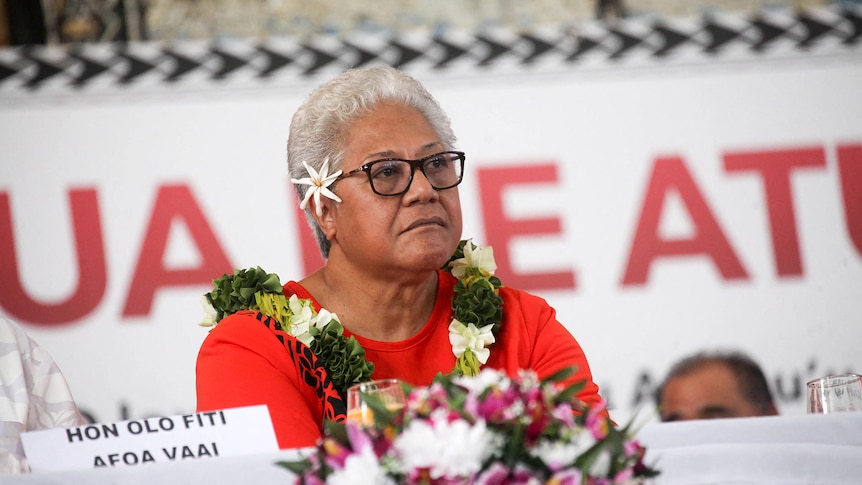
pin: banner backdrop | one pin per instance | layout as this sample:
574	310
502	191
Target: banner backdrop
668	186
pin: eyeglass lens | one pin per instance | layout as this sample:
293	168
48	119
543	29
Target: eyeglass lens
392	177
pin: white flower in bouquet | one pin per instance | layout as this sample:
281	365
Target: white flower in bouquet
557	455
487	379
361	468
602	466
446	449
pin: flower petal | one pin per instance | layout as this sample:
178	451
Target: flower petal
318	183
330	194
304	203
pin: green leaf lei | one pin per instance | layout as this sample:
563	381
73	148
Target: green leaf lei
476	305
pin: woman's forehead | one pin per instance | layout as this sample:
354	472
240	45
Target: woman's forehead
391	131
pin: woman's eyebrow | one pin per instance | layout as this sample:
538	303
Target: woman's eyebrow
391	154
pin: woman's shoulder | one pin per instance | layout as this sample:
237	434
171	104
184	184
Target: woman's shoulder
252	333
246	325
526	311
513	296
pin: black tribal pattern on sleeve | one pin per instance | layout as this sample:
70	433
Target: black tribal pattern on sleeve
311	372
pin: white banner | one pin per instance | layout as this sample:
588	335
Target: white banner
663	204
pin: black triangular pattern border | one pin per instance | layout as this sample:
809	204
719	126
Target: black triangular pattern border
29	70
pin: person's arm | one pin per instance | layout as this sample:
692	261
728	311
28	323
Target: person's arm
242	362
557	349
33	392
51	401
551	346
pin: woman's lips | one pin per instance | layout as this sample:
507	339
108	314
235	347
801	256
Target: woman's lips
427	221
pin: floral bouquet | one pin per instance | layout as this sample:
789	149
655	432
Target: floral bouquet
485	429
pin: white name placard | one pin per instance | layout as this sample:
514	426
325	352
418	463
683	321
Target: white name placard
212	434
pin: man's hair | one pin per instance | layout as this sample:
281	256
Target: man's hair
749	377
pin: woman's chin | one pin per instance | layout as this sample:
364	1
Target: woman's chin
428	259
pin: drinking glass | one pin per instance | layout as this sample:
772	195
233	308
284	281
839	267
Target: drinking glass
835	394
388	391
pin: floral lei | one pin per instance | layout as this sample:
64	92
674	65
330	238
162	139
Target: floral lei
476	305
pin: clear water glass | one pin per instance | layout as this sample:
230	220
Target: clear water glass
835	394
389	391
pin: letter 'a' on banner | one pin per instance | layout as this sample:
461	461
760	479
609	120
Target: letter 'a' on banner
187	437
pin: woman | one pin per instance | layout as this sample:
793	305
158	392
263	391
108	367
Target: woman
371	156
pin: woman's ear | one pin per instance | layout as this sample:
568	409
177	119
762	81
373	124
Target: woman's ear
327	220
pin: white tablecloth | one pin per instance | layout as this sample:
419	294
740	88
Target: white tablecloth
810	450
805	449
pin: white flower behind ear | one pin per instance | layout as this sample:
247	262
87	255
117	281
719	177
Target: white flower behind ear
318	183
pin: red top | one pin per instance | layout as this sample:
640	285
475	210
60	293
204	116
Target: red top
247	359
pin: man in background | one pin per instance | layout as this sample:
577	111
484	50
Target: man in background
714	385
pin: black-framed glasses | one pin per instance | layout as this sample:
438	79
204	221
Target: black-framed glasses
393	176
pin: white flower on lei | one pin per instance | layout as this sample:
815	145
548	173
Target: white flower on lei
211	314
318	183
487	379
463	337
447	449
481	258
303	318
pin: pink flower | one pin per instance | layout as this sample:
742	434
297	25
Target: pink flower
624	476
496	474
336	453
596	422
570	476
